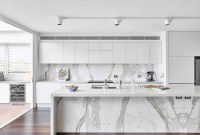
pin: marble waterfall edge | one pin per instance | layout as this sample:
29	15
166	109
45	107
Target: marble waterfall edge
127	114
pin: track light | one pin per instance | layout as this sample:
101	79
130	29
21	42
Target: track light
167	21
118	21
59	20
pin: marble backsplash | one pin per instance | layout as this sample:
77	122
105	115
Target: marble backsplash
85	72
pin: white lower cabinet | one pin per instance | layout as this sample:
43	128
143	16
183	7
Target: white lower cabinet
44	91
5	93
181	69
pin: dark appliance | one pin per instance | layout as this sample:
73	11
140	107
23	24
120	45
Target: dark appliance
150	76
17	93
197	70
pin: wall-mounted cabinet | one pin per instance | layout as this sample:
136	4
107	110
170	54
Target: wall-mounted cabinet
82	55
119	53
51	53
132	53
69	55
101	53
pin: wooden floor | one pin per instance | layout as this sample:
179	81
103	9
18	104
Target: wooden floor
9	112
34	122
37	122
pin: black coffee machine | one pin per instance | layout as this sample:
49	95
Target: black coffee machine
150	76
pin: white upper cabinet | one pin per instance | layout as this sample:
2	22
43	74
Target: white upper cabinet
106	46
44	53
119	53
51	53
94	46
175	41
197	43
82	53
155	53
131	53
143	53
106	57
95	57
100	53
69	53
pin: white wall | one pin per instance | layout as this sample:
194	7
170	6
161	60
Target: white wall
15	37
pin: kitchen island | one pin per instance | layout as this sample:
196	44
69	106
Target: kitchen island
126	110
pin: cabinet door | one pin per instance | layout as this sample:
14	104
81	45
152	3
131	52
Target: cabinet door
175	41
106	46
44	53
94	46
131	53
81	52
5	93
51	53
155	53
106	57
197	43
95	57
143	53
188	44
119	53
69	53
56	52
181	69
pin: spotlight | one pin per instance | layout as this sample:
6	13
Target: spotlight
59	20
118	21
167	21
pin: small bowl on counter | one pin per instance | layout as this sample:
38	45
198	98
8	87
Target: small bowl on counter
72	87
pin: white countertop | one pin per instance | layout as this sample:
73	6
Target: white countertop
128	91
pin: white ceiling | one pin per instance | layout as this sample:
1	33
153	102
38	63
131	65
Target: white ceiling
40	15
4	27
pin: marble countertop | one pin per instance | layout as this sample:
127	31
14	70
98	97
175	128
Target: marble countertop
128	91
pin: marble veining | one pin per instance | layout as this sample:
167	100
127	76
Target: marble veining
128	114
85	72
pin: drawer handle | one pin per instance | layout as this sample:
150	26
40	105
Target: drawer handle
179	97
187	97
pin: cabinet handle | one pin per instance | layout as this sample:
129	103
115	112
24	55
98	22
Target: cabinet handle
188	97
179	97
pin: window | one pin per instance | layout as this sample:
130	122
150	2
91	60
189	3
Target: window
15	58
2	58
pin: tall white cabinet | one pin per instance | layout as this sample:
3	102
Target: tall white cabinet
183	46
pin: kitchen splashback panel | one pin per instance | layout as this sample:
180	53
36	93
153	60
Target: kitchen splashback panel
85	72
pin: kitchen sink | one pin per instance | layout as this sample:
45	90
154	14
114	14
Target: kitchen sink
103	86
